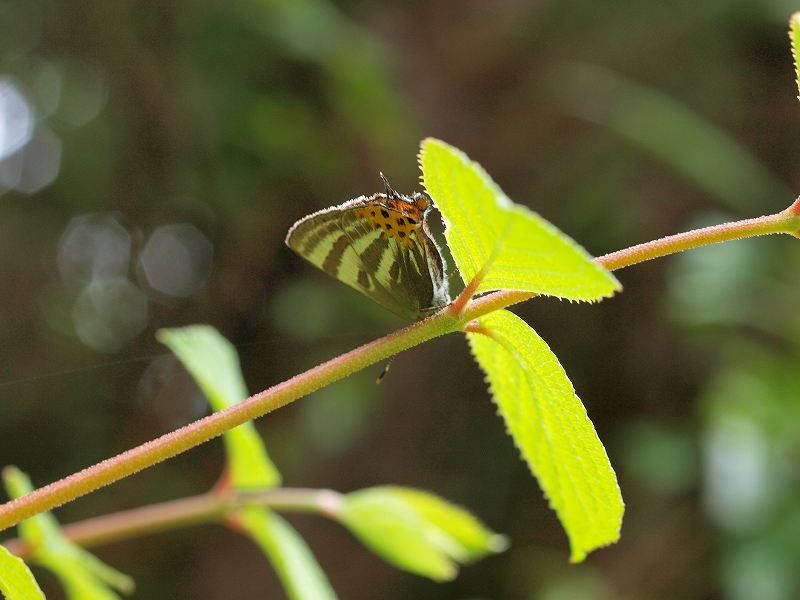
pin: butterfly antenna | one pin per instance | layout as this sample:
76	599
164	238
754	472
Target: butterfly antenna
380	377
390	192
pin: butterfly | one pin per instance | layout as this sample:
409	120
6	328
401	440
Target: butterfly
381	246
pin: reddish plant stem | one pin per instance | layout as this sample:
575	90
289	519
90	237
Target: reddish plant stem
202	430
787	221
794	209
457	306
152	452
210	507
783	222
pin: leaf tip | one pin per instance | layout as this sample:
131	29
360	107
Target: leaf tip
580	547
15	481
498	543
794	23
794	39
447	573
424	147
577	556
429	143
578	553
10	471
430	140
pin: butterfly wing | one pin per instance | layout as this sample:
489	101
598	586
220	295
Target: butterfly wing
358	252
394	271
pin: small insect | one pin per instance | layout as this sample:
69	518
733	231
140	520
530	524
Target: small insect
381	246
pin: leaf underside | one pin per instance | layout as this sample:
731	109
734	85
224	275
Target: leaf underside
550	427
417	531
301	575
515	247
16	579
213	363
83	575
794	37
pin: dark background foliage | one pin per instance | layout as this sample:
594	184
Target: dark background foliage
153	155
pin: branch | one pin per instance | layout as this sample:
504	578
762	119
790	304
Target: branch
194	434
787	221
202	430
210	507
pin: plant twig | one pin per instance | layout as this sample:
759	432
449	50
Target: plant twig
787	221
180	440
210	507
202	430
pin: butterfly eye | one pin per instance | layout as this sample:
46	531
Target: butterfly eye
421	201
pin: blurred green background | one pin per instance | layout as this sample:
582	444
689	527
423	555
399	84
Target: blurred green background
153	155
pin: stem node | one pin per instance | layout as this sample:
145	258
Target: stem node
795	207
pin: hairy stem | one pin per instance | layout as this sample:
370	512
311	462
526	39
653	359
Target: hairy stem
784	222
787	221
205	508
202	430
180	440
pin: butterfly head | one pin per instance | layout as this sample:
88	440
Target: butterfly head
419	200
422	202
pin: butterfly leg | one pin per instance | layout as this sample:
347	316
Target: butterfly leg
383	373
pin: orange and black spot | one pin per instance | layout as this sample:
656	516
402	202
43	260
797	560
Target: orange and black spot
398	224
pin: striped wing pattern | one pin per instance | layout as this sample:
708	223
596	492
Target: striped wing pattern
404	274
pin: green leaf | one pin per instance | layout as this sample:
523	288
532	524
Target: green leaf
472	539
82	574
517	248
301	575
550	427
214	364
80	582
794	37
16	579
417	531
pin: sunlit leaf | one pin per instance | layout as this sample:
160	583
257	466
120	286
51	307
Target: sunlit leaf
214	364
391	529
417	531
82	574
16	579
794	37
472	540
550	427
79	582
520	250
301	575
